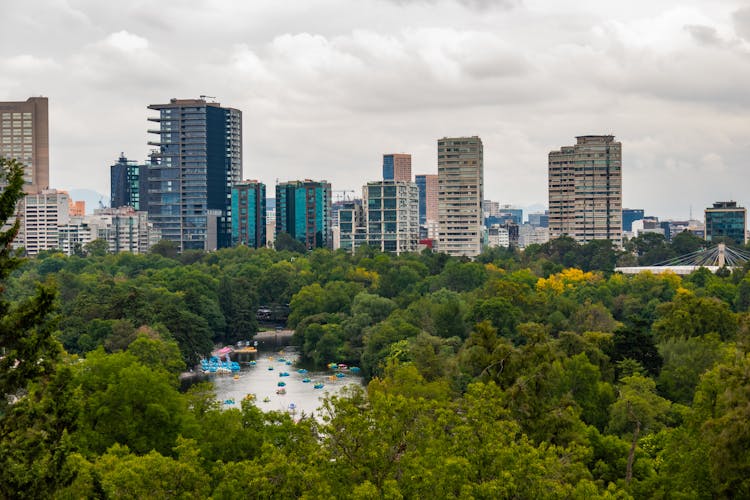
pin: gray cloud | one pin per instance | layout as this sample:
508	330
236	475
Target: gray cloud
326	89
473	4
705	35
741	18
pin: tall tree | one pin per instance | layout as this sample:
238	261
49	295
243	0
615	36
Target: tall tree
27	349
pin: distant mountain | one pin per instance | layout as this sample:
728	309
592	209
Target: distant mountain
91	197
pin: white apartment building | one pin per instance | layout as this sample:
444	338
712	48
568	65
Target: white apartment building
391	215
460	195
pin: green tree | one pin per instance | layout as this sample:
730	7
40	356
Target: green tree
166	248
96	248
26	345
285	242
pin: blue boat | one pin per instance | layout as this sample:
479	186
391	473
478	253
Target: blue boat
306	380
301	370
283	374
340	375
354	369
270	368
281	384
318	386
253	363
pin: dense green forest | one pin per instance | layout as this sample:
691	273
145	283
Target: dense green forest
539	374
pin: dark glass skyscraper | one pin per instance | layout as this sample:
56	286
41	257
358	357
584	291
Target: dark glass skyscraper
303	210
128	184
198	160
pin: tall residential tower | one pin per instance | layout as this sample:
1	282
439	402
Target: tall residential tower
585	190
24	136
460	195
197	161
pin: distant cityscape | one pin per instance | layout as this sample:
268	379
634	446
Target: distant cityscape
190	191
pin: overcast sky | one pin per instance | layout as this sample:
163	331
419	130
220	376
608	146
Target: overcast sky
327	86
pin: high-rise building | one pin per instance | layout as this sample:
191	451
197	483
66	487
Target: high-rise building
726	220
128	184
24	136
197	161
249	214
428	197
303	211
460	195
585	190
397	167
41	216
352	226
630	215
392	215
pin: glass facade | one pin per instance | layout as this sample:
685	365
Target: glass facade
630	215
303	210
128	184
726	221
198	160
249	214
387	167
392	217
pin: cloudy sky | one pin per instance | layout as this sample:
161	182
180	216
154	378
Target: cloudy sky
327	86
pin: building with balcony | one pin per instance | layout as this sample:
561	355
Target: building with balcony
460	195
392	215
585	190
196	161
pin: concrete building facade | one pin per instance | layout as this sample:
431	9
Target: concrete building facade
24	136
460	195
42	214
392	215
585	190
397	167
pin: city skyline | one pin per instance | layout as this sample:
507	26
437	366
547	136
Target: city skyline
344	89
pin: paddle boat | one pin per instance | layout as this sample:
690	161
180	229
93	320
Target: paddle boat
305	380
281	391
281	384
319	385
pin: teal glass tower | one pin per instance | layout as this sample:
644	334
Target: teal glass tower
303	210
249	214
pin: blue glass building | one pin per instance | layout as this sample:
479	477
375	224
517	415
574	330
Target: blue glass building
197	160
249	214
630	215
128	184
421	182
303	210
